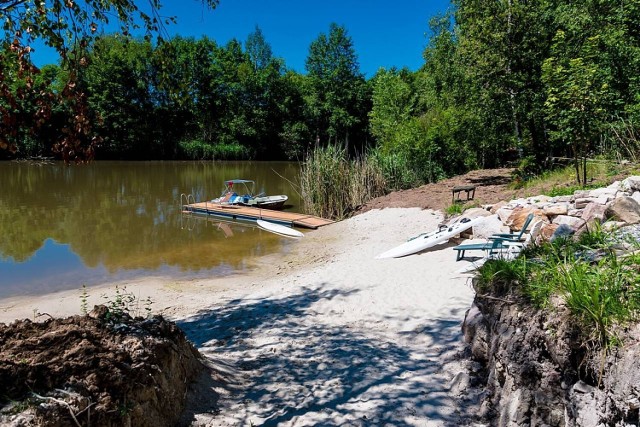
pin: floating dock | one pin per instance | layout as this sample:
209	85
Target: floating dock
248	213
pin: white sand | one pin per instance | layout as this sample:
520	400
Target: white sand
324	335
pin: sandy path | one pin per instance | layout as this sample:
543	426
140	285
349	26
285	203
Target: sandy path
324	335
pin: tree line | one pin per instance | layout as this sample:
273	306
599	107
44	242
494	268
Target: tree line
195	99
502	82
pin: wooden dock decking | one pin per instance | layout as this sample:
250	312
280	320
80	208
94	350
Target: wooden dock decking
253	214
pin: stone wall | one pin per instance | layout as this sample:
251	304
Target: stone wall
537	372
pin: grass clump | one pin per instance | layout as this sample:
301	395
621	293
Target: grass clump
333	186
601	290
454	209
561	181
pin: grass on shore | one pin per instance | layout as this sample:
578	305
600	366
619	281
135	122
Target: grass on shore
601	289
562	181
333	186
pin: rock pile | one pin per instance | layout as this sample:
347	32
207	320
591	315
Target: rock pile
614	207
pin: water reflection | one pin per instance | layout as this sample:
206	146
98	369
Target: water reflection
61	227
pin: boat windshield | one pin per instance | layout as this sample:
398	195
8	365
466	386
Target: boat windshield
246	186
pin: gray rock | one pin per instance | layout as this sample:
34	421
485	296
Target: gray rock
563	231
582	202
562	199
594	211
606	192
631	184
571	221
489	226
556	209
504	213
624	209
476	213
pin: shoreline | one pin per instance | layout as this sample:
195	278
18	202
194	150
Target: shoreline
322	334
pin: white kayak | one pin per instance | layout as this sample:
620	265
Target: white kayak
427	240
279	229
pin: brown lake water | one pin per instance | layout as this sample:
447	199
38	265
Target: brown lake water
62	227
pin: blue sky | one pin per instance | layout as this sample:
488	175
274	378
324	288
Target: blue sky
384	33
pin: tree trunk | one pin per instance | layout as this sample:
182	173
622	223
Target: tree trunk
576	162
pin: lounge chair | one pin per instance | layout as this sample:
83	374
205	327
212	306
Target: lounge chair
514	237
492	248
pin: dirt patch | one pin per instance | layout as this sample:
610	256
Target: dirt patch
94	370
492	185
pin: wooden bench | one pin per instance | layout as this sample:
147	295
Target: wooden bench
470	192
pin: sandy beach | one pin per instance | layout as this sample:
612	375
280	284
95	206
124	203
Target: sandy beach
322	335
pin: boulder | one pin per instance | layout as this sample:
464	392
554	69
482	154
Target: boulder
519	202
562	232
497	206
489	226
475	330
504	213
519	215
562	199
556	209
602	199
631	184
613	225
624	209
616	185
571	221
594	211
607	192
534	233
539	199
636	196
575	212
476	213
582	194
547	231
582	202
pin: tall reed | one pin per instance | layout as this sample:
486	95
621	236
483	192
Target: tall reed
333	186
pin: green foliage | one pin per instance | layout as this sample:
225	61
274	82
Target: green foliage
125	302
84	297
405	151
561	180
501	82
200	150
397	169
500	275
454	209
336	92
601	294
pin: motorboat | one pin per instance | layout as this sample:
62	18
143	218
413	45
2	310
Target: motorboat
246	196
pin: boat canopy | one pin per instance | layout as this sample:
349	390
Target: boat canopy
238	181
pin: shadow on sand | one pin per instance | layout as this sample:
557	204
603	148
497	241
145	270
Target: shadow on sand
282	363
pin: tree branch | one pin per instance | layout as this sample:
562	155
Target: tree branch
10	4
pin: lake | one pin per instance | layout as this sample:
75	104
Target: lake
67	226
